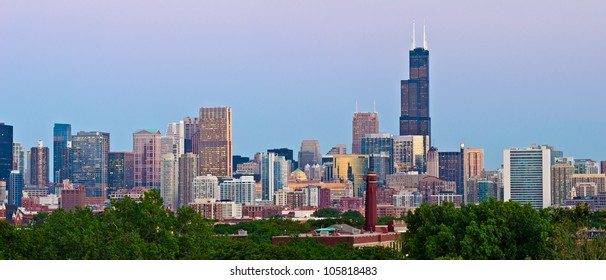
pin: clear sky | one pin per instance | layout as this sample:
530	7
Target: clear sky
502	74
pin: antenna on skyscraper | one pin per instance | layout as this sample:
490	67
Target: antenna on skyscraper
356	104
424	37
413	35
374	104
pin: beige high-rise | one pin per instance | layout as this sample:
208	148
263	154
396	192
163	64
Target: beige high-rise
473	161
363	123
215	149
148	152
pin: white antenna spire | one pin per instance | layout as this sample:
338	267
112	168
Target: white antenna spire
424	37
356	104
413	35
374	104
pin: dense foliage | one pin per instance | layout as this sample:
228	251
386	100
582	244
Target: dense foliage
131	230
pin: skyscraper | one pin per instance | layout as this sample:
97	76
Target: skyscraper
169	181
309	153
191	127
561	182
39	164
206	187
121	170
6	151
363	123
147	148
527	175
15	188
216	142
188	171
379	146
414	119
175	132
410	153
352	168
62	135
452	168
89	162
18	157
433	162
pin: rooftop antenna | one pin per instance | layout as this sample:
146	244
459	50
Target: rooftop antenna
424	37
413	35
374	104
356	104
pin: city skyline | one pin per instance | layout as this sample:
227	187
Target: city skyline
478	88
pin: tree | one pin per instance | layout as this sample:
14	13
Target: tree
327	213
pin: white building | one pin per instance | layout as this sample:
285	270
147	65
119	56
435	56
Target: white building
311	196
206	187
238	190
169	181
527	175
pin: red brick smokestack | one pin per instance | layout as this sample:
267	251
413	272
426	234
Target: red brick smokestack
371	201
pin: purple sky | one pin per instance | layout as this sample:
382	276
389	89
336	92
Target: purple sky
502	74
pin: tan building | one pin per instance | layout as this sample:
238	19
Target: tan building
473	162
598	179
363	123
215	149
351	168
147	148
561	182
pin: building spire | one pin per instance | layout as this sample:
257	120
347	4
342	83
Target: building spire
356	104
413	35
374	104
424	37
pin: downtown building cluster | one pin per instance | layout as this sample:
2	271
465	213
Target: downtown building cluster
192	164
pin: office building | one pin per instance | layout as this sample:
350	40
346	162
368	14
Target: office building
561	182
527	175
89	162
39	164
15	188
62	137
191	130
410	153
120	170
363	123
18	157
415	118
311	196
6	151
451	168
148	152
309	153
274	175
169	181
352	168
380	146
215	148
175	139
473	161
284	152
433	162
339	149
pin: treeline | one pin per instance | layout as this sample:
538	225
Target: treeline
502	231
130	230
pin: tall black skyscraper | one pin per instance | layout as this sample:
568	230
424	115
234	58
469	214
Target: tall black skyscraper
415	119
62	134
6	151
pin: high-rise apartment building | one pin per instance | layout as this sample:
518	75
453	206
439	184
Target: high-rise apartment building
215	149
18	157
363	123
238	190
169	181
175	134
586	166
62	137
188	171
415	118
15	188
410	153
39	164
473	161
527	175
309	153
561	182
191	128
274	175
6	151
121	170
206	187
379	144
89	162
148	152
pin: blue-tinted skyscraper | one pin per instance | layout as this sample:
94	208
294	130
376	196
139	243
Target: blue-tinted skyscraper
62	135
89	155
15	188
6	151
380	147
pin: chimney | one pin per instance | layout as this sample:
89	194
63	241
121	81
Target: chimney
371	201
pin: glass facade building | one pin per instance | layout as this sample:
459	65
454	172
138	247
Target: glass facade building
62	136
89	162
6	151
121	170
527	176
414	118
352	168
15	188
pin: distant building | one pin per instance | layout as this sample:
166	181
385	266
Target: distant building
216	141
284	152
310	153
440	198
121	170
410	153
363	123
238	190
339	149
561	182
206	187
380	147
15	188
598	179
39	165
452	168
175	132
415	118
169	181
274	175
72	197
62	137
311	196
325	198
89	156
6	151
586	166
188	171
191	128
527	175
352	168
433	162
148	152
237	159
18	157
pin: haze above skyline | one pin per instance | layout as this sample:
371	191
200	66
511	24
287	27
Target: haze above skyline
501	74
